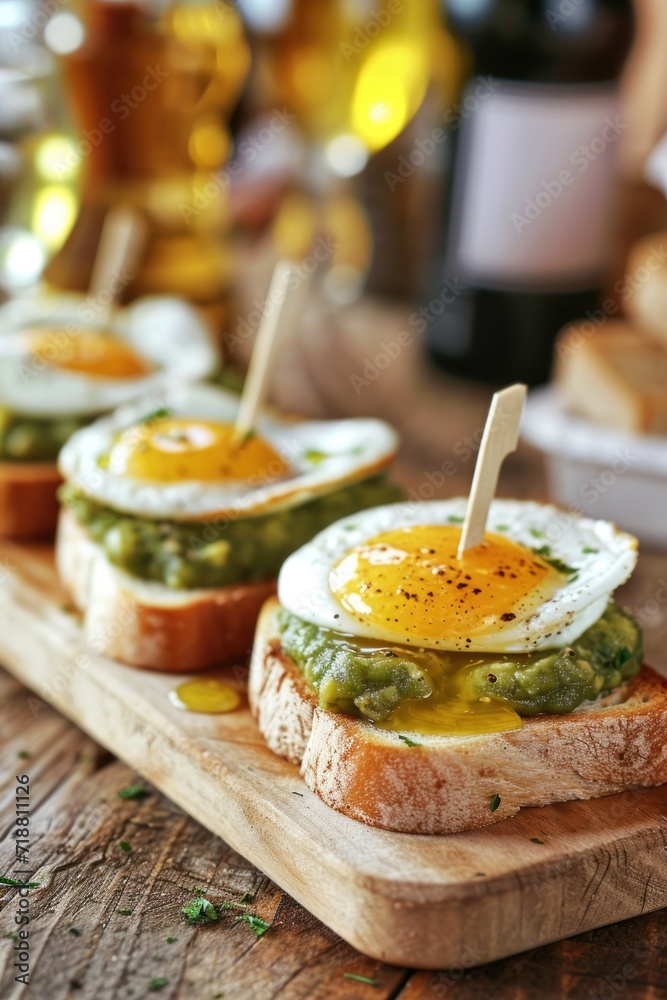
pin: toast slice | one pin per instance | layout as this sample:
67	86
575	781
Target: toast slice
148	625
616	376
28	502
447	783
645	301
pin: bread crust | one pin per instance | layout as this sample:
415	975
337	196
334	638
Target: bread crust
28	502
148	625
446	784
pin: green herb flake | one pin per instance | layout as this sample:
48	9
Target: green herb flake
247	897
561	567
74	931
587	550
125	913
536	533
156	984
314	456
502	527
360	979
170	940
138	791
161	413
200	911
408	742
125	846
256	924
23	754
455	519
536	840
20	885
494	802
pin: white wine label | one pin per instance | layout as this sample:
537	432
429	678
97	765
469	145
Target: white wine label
533	187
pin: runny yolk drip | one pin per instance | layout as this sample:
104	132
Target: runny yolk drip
171	449
91	352
208	696
410	585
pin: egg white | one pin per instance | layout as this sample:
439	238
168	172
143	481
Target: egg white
345	450
167	332
303	583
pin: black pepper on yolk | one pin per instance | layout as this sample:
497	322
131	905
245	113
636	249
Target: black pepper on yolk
410	584
91	352
171	449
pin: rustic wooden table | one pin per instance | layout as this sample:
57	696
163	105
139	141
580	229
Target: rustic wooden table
107	923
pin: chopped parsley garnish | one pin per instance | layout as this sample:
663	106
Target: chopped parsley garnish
125	846
23	754
314	456
360	979
21	885
156	984
455	519
408	741
258	925
536	533
247	897
170	940
494	802
124	913
554	561
138	791
502	527
200	911
161	413
587	550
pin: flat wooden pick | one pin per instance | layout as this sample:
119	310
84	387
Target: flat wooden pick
256	383
501	435
121	242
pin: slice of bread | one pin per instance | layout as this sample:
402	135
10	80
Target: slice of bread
615	376
146	624
447	783
646	285
28	502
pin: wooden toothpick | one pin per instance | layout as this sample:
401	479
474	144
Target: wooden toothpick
256	383
121	242
501	435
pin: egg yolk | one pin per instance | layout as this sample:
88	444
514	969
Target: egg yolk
410	583
91	352
170	449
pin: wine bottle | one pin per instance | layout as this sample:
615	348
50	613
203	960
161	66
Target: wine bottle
530	182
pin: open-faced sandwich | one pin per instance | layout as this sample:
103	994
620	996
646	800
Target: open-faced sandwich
173	531
58	373
428	693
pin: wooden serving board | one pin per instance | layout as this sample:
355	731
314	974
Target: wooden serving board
425	902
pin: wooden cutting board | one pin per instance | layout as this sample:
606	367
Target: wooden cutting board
425	902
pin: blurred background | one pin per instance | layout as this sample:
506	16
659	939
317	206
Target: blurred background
457	181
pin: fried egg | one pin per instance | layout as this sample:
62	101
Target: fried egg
392	574
55	362
175	456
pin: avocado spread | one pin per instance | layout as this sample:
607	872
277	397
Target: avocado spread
218	553
35	439
368	679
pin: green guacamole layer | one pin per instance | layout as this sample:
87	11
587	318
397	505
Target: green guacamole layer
35	439
218	553
366	679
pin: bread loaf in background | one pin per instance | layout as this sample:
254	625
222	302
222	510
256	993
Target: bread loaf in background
616	376
646	276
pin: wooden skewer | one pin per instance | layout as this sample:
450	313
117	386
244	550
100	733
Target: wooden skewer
501	435
121	242
257	379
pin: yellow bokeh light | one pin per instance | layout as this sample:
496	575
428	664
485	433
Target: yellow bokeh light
389	90
56	159
209	145
53	214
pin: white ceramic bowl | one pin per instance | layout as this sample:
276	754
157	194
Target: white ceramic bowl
599	471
